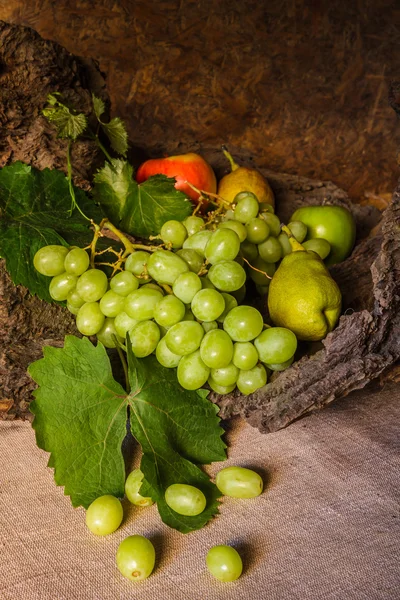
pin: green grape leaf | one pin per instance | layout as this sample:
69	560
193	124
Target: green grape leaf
115	129
69	123
81	417
98	106
35	211
117	135
177	430
143	209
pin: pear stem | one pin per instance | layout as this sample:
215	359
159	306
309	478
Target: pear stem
296	246
234	165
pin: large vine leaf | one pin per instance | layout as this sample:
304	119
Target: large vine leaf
143	209
81	417
35	211
177	430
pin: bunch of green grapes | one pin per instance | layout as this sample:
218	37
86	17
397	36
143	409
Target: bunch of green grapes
184	304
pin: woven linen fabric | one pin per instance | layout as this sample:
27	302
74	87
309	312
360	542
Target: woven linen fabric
326	526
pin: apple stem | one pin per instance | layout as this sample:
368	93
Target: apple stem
296	246
234	165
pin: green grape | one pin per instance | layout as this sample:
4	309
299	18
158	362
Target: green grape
248	250
136	262
124	323
207	305
193	259
273	223
262	290
220	389
206	283
152	286
224	244
298	229
245	355
270	250
90	319
111	304
186	286
185	499
279	366
74	299
238	482
174	233
192	372
132	487
107	333
227	276
225	376
257	231
216	349
124	283
243	323
92	285
184	337
141	303
104	515
72	309
165	357
227	215
285	244
144	338
189	316
237	227
77	261
267	268
209	325
169	310
276	345
198	241
240	294
136	557
165	266
224	563
251	380
49	260
193	224
319	245
61	285
230	302
247	207
265	207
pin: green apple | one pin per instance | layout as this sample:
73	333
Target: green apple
335	224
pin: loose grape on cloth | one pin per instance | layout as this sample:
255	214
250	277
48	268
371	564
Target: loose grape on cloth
326	526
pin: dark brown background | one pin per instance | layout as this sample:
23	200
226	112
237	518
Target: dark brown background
302	86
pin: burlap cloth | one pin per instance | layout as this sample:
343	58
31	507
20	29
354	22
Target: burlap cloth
327	525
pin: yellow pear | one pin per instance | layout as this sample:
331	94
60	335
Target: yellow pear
244	179
302	294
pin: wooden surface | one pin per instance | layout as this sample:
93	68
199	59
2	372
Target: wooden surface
301	86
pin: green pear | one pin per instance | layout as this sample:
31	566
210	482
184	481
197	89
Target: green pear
303	297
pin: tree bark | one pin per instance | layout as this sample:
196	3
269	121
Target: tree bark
363	345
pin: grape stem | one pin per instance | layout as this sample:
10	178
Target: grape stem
255	269
70	183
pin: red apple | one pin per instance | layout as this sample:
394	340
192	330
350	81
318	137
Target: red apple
184	167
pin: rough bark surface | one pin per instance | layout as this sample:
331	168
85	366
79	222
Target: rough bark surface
362	346
30	69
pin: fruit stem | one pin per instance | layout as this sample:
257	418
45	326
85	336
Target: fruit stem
255	268
296	246
234	165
